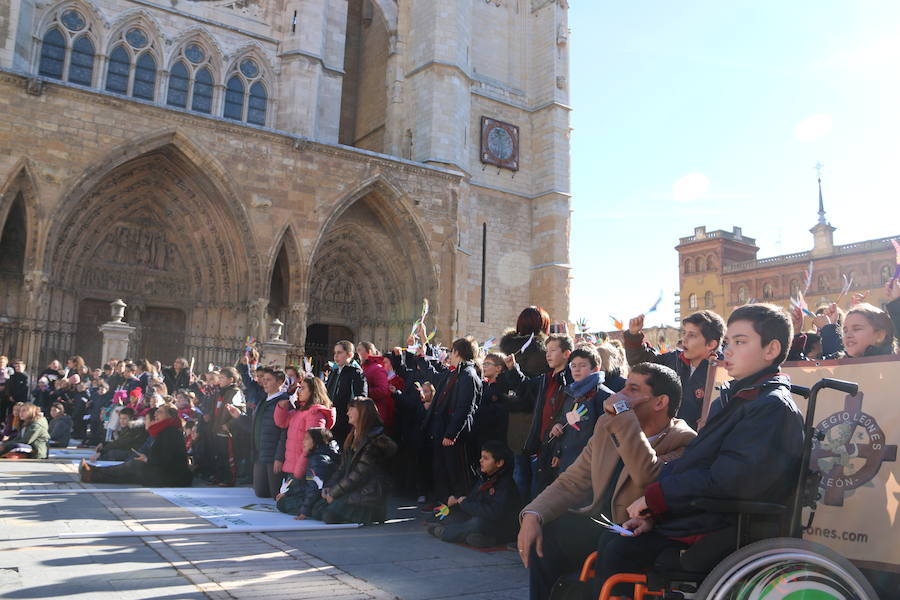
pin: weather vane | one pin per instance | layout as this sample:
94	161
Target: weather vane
818	168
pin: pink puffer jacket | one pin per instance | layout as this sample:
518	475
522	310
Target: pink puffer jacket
297	422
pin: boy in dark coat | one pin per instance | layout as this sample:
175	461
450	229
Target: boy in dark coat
448	422
268	438
345	382
749	449
488	515
17	386
700	339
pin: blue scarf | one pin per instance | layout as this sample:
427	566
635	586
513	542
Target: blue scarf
578	389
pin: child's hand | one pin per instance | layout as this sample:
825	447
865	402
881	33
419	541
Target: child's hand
556	431
636	324
892	290
279	497
797	319
638	525
300	518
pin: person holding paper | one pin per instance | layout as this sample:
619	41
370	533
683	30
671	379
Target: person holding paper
750	449
632	440
545	393
33	435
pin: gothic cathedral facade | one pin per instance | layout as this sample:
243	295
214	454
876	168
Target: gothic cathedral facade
223	164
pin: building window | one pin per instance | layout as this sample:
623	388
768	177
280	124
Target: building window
201	99
710	263
701	263
823	283
768	292
692	301
742	294
191	82
886	274
179	85
241	105
132	67
708	301
67	51
688	266
53	54
795	288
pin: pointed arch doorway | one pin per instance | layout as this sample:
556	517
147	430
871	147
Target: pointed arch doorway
369	272
156	232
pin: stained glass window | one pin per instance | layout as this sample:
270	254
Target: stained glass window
53	54
117	73
81	65
234	99
145	77
178	85
203	91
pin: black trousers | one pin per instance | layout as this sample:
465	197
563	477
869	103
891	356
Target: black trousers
632	555
567	543
452	476
131	471
266	482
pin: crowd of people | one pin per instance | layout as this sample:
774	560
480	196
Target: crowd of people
543	441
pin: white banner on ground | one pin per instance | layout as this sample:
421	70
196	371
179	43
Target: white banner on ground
233	507
71	452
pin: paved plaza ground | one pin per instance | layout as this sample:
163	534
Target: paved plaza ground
389	561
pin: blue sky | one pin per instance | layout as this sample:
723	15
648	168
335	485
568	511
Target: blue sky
715	113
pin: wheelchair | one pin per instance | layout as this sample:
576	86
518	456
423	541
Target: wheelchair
738	563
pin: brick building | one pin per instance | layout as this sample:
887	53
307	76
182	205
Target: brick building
219	164
720	270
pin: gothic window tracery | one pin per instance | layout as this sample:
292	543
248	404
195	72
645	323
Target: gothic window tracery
246	97
132	66
67	49
191	80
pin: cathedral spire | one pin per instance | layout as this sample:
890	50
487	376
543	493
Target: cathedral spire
821	202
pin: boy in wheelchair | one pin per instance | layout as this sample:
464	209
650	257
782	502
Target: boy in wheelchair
749	450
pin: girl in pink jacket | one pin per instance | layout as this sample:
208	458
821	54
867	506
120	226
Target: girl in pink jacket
312	409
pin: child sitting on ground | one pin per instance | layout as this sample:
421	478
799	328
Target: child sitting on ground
489	514
60	426
321	458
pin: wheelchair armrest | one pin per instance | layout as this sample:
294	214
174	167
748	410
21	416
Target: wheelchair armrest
721	505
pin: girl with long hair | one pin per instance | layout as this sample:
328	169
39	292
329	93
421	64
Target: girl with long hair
357	492
312	408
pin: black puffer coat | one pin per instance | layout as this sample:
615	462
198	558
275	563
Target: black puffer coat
362	473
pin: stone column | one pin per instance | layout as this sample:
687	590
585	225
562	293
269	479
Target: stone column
116	334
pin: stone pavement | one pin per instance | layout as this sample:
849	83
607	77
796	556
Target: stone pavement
380	562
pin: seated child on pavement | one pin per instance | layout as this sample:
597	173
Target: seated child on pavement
489	514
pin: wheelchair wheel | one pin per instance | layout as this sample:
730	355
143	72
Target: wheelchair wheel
786	569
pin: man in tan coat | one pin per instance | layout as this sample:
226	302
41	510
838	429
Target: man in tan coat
632	440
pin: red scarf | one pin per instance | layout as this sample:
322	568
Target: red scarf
160	426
